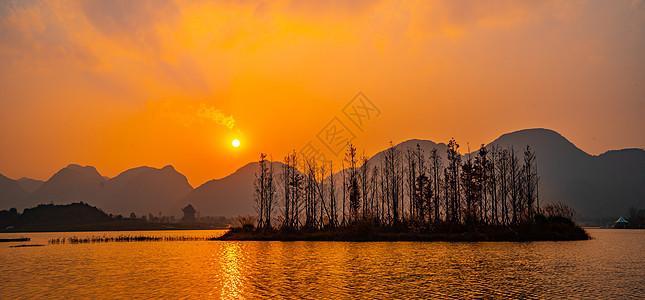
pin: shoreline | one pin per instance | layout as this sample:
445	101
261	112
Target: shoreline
358	233
85	229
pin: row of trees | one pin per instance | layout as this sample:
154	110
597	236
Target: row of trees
494	186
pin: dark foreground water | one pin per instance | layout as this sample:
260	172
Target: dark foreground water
612	265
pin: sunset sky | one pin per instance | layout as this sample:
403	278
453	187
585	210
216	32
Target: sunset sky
120	84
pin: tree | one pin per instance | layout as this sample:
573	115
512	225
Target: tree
311	186
436	166
189	214
492	186
422	196
514	183
333	219
353	189
469	182
502	166
264	192
364	180
286	184
530	181
483	166
393	181
452	181
321	194
296	184
411	179
374	195
421	170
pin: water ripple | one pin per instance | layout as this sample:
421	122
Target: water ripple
609	266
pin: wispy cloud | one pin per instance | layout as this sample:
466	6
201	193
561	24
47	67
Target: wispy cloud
210	113
200	114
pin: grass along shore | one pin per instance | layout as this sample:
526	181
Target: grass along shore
547	230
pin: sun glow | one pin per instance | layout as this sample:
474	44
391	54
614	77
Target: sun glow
236	143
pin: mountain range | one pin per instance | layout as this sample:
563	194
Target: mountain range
595	186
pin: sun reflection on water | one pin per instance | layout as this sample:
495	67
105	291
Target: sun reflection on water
232	286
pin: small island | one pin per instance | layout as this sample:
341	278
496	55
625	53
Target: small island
492	196
553	228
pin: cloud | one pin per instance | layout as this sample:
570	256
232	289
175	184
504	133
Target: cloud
132	22
190	115
210	113
49	34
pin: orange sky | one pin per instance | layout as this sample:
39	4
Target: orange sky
120	84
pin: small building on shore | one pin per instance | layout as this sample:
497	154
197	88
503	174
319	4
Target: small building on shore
621	223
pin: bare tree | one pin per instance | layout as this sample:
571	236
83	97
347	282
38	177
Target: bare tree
530	181
364	184
411	179
264	192
492	184
454	188
353	188
503	167
436	166
286	182
333	219
514	182
344	191
296	191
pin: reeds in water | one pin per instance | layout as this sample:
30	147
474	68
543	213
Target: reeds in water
125	238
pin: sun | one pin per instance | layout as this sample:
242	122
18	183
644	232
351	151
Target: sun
236	143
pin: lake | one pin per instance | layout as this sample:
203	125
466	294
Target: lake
611	265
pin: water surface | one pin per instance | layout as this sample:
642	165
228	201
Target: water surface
611	265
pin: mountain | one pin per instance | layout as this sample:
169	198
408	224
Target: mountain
29	185
145	190
426	145
605	185
141	190
595	186
228	196
11	193
73	183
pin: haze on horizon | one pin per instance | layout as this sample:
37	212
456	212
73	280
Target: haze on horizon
120	84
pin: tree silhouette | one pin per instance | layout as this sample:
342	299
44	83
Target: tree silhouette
264	192
189	214
489	187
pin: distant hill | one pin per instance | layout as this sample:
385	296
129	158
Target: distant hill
73	183
141	190
596	186
425	145
229	196
145	190
30	185
11	193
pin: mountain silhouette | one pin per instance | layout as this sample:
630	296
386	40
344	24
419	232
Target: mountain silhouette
29	185
73	183
596	186
141	190
145	190
605	185
11	193
228	196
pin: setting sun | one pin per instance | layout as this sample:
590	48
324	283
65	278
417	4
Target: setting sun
392	149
